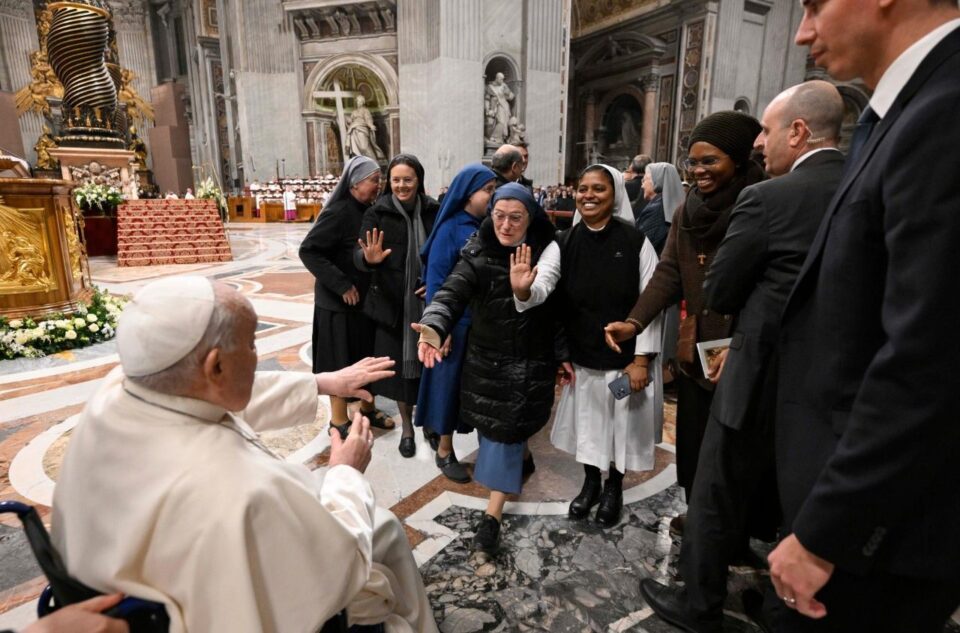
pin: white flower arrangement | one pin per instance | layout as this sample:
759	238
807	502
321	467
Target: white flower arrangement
93	196
208	190
91	323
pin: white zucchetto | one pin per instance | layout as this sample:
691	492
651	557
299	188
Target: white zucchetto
163	323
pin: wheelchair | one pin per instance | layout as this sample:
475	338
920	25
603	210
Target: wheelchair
143	616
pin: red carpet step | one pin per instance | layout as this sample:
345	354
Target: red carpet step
156	232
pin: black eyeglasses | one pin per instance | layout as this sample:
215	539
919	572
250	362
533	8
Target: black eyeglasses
707	161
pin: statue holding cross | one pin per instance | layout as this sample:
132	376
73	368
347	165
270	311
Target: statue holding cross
358	132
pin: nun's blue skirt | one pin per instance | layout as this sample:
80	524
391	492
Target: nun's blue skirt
438	403
500	466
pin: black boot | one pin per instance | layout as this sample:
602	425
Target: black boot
589	494
611	501
487	537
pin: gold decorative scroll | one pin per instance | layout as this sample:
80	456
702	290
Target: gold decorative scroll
53	6
24	252
74	248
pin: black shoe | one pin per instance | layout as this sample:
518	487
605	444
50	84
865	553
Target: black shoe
670	605
453	469
589	496
528	466
487	538
611	503
408	446
432	438
342	429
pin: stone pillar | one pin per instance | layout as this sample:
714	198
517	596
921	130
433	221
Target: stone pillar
18	38
650	84
589	116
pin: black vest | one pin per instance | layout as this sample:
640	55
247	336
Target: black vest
599	283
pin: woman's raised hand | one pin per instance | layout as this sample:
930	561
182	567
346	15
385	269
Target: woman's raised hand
373	251
522	275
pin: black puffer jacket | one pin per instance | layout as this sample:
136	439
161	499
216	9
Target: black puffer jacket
507	383
384	302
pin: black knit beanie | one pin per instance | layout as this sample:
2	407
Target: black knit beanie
733	132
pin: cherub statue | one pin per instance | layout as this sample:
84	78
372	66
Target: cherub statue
139	148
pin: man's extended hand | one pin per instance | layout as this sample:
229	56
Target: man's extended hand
797	575
355	450
618	332
349	381
82	617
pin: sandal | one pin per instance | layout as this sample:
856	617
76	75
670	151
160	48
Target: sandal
379	419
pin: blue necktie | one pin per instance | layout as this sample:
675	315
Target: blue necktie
865	124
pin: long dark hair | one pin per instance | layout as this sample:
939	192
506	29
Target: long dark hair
410	161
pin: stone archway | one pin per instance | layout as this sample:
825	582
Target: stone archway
349	76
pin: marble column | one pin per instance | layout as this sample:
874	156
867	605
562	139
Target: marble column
650	84
18	38
589	125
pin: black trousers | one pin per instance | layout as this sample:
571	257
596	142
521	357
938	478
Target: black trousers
878	603
693	410
734	497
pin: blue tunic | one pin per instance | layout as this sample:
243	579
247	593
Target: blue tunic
438	404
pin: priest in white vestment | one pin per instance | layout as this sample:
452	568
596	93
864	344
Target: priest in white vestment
166	495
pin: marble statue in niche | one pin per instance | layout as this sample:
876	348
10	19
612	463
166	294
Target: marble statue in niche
497	110
362	133
518	132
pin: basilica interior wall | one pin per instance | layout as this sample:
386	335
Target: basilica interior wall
18	38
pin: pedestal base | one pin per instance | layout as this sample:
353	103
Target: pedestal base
85	164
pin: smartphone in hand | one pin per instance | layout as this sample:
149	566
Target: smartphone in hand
620	387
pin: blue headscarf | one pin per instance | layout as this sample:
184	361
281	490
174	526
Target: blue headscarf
465	184
516	191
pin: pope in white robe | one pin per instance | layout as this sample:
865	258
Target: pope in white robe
174	499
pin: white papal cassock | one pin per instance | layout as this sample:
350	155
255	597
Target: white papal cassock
175	500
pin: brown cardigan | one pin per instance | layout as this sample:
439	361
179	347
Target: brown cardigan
679	275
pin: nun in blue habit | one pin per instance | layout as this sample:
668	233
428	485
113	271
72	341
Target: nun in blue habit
438	403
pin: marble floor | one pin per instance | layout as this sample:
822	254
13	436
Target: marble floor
551	574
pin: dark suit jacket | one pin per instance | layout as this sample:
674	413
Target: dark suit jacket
771	230
868	435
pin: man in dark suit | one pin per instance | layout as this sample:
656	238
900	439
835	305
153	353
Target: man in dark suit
507	164
771	229
867	429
